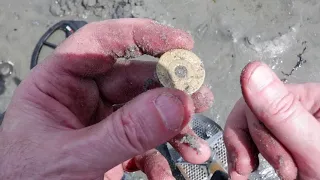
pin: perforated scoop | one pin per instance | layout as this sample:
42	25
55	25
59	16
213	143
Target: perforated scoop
210	131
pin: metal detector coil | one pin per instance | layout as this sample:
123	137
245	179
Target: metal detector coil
68	27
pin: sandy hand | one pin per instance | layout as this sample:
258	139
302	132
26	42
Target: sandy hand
279	121
62	122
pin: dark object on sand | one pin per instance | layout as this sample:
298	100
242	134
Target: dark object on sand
69	27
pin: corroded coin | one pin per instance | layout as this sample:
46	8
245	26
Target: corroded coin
181	69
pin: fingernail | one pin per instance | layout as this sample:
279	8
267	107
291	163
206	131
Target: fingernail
171	111
261	77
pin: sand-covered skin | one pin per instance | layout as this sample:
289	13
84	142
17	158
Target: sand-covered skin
190	141
227	34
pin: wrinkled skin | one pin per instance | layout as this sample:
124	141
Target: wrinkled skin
282	122
81	114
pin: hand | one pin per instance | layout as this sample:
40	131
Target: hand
64	121
280	121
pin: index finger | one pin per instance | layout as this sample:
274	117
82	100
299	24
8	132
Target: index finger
69	75
242	152
94	48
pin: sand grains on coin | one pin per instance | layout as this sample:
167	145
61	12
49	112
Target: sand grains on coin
181	69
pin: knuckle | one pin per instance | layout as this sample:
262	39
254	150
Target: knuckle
90	26
134	133
92	30
283	109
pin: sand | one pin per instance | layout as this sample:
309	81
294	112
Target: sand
190	141
228	34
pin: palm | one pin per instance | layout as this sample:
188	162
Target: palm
80	85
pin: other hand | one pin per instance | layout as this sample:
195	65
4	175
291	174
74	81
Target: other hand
279	121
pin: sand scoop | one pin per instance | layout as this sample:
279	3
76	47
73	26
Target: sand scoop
210	131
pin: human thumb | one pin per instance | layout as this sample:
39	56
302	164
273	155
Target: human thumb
142	124
281	112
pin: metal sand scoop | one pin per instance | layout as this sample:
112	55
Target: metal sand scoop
210	131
